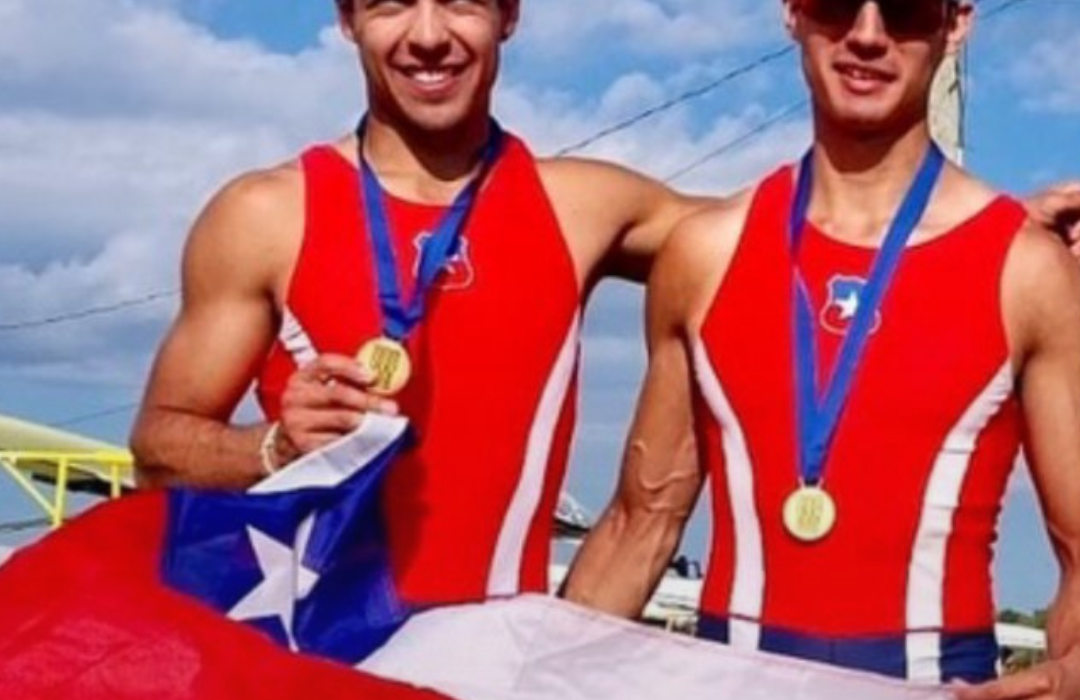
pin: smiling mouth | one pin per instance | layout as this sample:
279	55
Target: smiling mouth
863	74
432	77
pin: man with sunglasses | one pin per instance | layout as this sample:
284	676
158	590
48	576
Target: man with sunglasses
854	350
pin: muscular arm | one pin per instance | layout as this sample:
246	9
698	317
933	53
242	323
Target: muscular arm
1042	308
225	326
236	268
627	553
1051	396
615	220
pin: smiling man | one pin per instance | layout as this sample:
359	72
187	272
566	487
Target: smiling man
455	264
857	347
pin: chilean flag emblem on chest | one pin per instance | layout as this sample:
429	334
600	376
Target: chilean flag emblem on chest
458	272
844	295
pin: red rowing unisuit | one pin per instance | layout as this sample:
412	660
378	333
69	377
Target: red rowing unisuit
918	468
493	393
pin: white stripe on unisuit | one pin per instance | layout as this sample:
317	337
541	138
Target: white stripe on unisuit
504	577
926	576
295	339
748	590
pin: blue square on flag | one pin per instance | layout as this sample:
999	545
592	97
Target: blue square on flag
302	556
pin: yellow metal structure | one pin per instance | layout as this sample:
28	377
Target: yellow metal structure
114	468
36	456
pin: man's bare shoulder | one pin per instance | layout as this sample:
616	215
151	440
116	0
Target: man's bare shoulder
696	258
710	237
261	196
251	228
1041	285
1040	264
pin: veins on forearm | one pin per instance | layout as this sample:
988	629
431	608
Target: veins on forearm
180	448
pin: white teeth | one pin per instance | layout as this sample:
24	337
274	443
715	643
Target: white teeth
860	74
430	77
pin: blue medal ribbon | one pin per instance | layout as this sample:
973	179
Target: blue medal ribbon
819	413
401	318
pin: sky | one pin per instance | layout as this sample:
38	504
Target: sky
119	118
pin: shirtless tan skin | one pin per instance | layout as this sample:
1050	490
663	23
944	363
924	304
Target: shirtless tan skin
430	68
866	153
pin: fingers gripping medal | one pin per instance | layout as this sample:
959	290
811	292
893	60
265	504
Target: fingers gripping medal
810	513
386	358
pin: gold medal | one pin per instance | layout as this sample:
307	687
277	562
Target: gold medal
388	361
810	514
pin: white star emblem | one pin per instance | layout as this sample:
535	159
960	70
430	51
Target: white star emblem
848	305
285	580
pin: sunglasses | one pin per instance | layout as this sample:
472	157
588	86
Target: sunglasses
901	17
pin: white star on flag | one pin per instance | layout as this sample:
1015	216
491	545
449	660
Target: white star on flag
285	580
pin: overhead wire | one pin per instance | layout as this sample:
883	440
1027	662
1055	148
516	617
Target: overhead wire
673	102
606	132
96	415
88	312
769	123
695	93
24	525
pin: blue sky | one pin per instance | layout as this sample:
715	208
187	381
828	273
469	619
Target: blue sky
118	118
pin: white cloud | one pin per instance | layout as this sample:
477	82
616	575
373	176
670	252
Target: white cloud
678	28
665	143
118	118
121	57
1047	73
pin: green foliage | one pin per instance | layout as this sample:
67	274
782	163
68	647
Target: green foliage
1014	617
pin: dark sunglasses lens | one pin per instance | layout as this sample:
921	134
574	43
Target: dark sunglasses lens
905	17
833	12
913	17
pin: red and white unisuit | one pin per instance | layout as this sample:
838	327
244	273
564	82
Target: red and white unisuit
918	467
493	395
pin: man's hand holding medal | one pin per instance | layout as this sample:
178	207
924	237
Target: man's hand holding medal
322	402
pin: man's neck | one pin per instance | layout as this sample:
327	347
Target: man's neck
860	182
423	166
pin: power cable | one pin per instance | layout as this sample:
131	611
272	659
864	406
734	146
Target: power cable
1003	7
23	525
88	312
666	105
600	135
739	140
96	415
628	123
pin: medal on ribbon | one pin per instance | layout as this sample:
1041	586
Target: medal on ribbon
386	358
810	514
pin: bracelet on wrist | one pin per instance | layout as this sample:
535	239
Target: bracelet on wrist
268	449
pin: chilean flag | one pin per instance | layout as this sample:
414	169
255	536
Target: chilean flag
284	592
185	594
